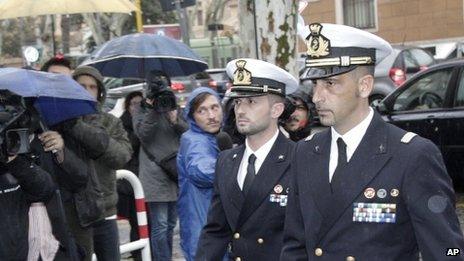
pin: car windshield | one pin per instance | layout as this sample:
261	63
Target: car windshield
112	83
427	92
219	76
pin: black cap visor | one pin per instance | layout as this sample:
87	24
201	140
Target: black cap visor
315	73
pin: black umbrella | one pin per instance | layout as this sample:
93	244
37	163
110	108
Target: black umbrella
134	55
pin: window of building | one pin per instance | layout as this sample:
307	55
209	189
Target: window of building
199	17
360	13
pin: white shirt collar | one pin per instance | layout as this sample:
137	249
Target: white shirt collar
352	140
354	136
260	154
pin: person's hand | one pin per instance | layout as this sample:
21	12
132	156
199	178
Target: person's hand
11	158
150	101
172	116
52	141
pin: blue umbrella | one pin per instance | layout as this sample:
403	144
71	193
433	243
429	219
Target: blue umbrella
134	55
57	97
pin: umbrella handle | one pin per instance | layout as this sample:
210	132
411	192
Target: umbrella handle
44	128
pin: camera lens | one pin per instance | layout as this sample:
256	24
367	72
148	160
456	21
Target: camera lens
13	142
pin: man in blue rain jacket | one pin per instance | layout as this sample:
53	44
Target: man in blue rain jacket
196	162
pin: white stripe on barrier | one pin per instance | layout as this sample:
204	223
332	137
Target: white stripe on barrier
143	243
142	218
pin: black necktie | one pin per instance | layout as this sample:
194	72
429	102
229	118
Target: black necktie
342	160
251	173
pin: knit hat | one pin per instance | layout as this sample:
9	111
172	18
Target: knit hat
91	71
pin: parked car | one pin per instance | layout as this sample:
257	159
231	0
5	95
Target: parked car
182	86
219	80
400	65
431	104
393	71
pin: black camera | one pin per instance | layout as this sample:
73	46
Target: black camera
158	89
17	122
288	110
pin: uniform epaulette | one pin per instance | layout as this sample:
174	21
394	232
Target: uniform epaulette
408	137
310	137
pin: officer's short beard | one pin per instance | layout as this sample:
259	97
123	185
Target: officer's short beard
254	128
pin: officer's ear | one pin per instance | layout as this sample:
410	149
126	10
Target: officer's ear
277	109
365	85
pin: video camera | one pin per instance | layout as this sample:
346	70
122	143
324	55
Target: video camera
17	122
158	84
288	110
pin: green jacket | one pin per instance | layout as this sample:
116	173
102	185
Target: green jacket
105	141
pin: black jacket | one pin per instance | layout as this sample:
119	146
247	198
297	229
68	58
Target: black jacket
70	176
251	225
393	200
21	183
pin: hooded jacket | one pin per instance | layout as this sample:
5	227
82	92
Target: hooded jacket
105	140
196	162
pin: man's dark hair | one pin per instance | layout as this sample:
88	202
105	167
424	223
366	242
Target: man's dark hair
368	69
129	98
197	101
57	60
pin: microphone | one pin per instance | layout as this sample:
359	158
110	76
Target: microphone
224	141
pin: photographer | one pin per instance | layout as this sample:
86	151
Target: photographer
299	123
159	129
21	133
21	183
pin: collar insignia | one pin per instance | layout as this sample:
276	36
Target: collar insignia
317	44
242	76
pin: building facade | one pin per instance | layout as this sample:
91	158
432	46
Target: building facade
435	24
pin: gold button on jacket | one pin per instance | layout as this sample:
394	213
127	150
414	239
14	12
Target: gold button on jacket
260	240
318	251
236	235
350	258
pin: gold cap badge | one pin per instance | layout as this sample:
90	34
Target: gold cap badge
317	44
242	76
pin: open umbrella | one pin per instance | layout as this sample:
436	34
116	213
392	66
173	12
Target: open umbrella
134	55
26	8
57	97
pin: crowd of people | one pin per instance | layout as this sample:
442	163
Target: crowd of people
247	179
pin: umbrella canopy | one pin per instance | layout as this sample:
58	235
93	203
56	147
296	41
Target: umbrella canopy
57	97
134	55
25	8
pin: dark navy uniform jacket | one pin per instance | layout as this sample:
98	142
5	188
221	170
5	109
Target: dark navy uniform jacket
248	227
406	178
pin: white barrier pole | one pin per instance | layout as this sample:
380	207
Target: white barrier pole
144	241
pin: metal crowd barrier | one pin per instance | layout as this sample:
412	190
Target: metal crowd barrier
144	242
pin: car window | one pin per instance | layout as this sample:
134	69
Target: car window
459	101
111	83
221	76
414	59
427	92
109	104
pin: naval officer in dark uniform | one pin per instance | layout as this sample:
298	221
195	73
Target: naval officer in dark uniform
364	189
247	211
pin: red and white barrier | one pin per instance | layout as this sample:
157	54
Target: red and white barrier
144	242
